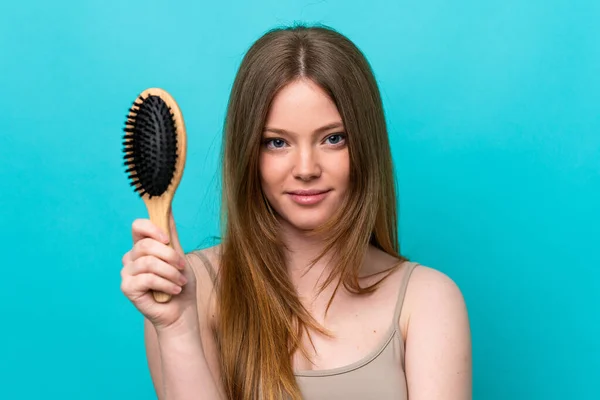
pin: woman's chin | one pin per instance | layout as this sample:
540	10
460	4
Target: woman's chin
304	224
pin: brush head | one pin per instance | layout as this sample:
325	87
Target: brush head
150	145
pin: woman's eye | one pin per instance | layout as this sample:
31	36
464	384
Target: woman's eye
336	139
275	143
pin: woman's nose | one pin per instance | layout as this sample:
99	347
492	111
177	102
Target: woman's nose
307	166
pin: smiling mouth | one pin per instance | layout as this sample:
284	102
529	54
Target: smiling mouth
308	197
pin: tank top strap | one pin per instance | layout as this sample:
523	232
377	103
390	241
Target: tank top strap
207	265
408	269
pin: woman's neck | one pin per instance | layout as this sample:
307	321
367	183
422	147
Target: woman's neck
301	250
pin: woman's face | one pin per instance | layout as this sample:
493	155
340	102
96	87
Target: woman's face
304	161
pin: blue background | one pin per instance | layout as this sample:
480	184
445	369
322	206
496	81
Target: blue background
494	116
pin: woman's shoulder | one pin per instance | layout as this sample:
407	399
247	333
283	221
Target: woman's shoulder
433	285
436	334
205	265
429	294
206	261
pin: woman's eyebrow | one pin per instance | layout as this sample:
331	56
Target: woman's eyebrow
333	125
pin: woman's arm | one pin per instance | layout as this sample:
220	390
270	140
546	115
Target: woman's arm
184	364
438	340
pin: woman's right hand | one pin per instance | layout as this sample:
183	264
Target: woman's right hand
152	264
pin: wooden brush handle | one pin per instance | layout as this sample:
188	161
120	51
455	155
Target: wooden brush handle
158	210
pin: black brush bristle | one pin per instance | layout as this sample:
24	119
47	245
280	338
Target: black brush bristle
150	145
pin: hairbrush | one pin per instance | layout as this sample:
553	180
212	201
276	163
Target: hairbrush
154	152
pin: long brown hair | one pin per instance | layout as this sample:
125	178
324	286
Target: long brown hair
260	317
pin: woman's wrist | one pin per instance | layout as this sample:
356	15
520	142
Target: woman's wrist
186	327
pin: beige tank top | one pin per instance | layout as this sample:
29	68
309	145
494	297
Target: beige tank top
380	375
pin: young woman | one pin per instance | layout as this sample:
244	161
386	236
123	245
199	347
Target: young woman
307	295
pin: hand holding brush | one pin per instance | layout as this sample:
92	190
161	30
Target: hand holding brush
155	269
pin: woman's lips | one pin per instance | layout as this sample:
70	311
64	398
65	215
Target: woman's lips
308	198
